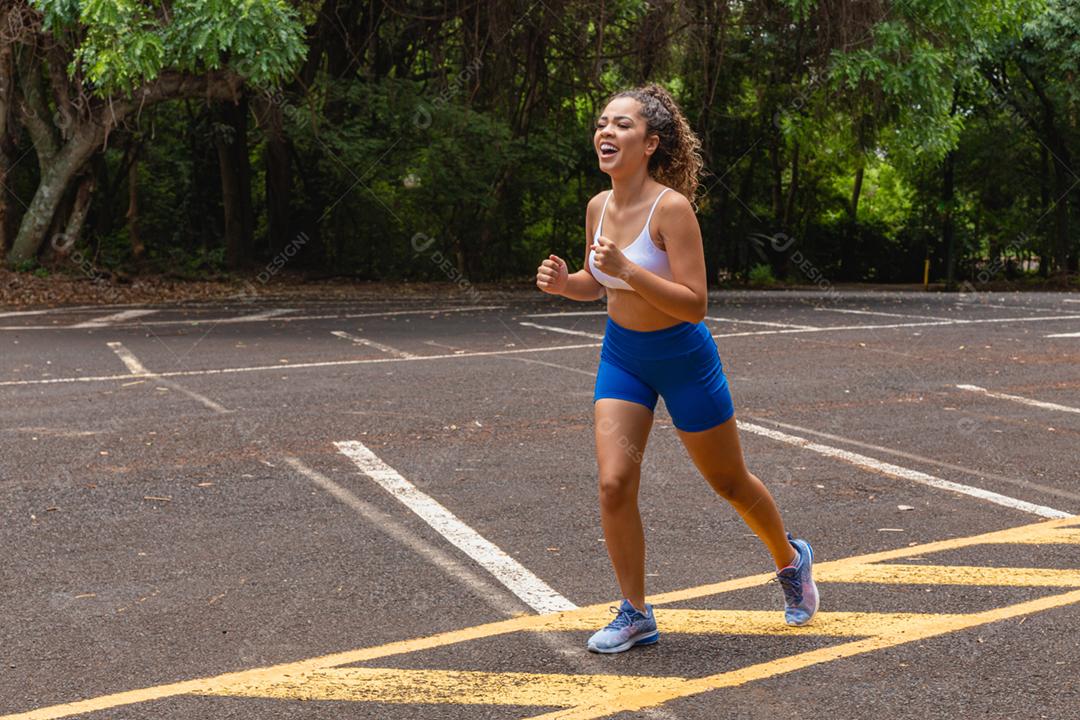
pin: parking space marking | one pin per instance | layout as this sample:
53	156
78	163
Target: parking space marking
884	468
1064	335
1018	399
483	353
264	316
895	629
295	366
1027	484
909	633
758	622
565	331
762	322
356	339
949	575
137	369
883	314
570	313
113	319
533	591
461	687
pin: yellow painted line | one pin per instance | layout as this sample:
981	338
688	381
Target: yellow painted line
1005	536
597	613
949	575
386	685
761	622
1049	536
920	631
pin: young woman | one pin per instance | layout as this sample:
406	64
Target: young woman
646	254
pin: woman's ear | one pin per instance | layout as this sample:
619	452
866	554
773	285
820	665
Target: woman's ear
651	143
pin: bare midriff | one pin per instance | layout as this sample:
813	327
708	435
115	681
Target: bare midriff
634	312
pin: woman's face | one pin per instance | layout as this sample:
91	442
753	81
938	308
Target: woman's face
619	140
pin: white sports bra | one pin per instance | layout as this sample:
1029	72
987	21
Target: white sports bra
641	252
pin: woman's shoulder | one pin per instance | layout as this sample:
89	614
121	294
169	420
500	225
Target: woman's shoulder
674	203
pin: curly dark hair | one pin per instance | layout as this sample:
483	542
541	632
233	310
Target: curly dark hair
677	160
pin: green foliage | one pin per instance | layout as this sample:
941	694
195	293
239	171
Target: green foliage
126	43
408	127
762	275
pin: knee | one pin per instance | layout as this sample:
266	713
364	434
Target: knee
728	483
617	490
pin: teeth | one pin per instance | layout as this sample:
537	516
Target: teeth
608	146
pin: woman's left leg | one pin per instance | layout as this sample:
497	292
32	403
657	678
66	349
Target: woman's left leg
718	456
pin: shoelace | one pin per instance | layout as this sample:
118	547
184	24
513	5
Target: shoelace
622	619
792	588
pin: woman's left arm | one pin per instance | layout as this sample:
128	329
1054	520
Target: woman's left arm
686	295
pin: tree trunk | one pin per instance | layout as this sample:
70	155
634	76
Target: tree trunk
77	217
948	235
56	178
856	193
1062	186
277	161
5	212
138	249
235	183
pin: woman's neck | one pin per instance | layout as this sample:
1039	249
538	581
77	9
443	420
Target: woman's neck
625	190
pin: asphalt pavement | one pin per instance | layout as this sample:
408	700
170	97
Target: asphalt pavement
387	508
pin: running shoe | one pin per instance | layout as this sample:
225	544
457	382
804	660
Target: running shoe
629	628
800	592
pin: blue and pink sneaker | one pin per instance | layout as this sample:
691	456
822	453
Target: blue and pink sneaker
629	628
800	592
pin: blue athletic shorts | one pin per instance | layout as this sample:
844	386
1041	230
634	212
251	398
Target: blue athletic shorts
680	363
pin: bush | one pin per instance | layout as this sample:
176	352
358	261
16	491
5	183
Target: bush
762	275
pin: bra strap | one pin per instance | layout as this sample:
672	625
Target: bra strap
655	203
602	211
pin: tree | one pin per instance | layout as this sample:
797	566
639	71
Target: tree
83	69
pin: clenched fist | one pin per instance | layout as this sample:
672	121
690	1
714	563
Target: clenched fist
552	274
609	258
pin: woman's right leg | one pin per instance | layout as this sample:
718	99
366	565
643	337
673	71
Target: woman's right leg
622	430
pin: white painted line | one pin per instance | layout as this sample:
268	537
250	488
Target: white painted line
294	366
533	591
1071	301
112	319
567	314
494	596
981	474
273	315
1019	399
68	309
888	469
959	321
371	343
21	313
550	328
132	363
717	319
481	353
1065	335
762	322
137	369
265	315
885	314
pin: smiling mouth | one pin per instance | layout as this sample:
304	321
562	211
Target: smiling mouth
607	149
